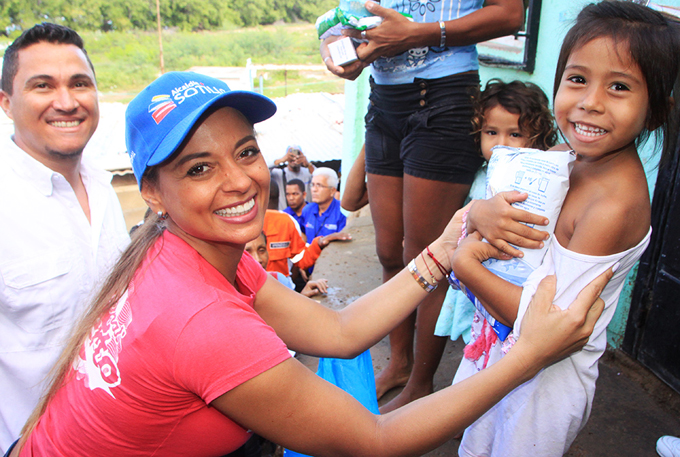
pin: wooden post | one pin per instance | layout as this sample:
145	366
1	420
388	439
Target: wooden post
160	37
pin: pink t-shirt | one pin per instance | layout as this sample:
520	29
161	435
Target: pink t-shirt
179	338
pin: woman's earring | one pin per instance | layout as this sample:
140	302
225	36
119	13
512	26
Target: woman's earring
162	216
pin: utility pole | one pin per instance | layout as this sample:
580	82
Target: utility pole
160	37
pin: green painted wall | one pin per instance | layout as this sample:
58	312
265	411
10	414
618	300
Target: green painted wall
557	17
356	105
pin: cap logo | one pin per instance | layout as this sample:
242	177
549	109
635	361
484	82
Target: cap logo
188	90
160	106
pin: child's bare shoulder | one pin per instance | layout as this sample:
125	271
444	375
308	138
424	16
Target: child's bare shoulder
607	215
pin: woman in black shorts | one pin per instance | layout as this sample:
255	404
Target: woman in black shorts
420	155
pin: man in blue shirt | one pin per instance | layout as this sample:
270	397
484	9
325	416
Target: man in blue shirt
296	199
323	216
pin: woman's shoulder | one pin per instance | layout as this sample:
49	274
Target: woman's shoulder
251	276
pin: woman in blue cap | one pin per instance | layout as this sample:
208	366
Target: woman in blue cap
183	352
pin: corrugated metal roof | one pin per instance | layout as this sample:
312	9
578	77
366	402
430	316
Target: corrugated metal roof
107	145
312	121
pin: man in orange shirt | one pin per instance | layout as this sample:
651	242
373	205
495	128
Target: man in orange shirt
284	240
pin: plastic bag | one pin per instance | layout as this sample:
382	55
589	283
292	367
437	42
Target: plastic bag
340	17
354	376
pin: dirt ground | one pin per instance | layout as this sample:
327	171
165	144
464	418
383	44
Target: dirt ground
632	407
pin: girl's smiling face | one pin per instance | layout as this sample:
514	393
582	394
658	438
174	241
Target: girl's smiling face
215	190
602	102
501	127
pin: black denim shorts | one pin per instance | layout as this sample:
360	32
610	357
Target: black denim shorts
423	129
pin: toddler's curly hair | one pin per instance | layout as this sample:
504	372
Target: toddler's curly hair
518	97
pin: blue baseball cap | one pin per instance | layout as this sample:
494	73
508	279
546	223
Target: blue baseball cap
158	120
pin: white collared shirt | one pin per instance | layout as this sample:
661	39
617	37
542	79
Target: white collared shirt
52	261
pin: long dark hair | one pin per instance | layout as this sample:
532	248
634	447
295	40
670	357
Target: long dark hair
653	44
111	291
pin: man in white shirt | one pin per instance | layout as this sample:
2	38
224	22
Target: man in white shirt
62	226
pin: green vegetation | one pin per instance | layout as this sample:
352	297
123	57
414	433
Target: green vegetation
121	40
186	15
127	61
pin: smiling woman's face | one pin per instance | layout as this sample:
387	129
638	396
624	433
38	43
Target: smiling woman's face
215	190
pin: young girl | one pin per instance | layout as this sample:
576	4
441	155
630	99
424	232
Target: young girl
513	114
613	85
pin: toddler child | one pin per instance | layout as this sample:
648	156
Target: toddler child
515	114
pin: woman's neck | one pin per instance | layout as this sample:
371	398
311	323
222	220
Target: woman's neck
224	257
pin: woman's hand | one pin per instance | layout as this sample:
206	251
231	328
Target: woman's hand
500	223
550	333
454	228
350	71
394	35
447	242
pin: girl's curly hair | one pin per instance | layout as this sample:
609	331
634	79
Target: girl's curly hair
518	97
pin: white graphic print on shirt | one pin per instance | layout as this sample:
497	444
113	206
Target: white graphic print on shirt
97	363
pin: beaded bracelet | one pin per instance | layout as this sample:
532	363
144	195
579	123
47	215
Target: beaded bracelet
427	287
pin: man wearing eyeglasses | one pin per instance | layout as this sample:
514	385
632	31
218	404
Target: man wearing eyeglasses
323	216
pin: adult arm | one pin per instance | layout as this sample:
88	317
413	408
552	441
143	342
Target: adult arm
288	156
348	332
293	407
302	160
397	34
355	193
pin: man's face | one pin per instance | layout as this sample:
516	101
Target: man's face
321	191
54	102
258	249
294	196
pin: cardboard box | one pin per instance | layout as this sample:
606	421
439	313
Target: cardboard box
343	52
